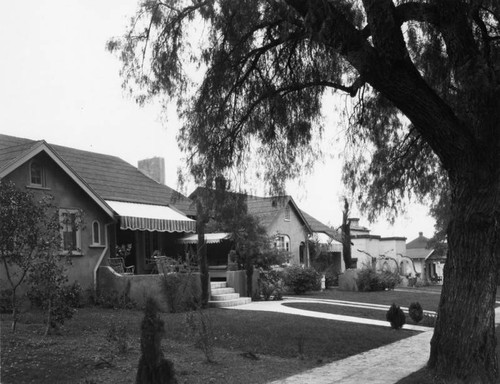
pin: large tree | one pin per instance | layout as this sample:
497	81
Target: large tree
424	77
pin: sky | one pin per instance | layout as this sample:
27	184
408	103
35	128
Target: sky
58	83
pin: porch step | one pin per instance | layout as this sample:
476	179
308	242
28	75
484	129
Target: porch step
217	284
223	296
230	303
222	291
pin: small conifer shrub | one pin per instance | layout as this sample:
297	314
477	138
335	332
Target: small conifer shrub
153	367
395	316
416	312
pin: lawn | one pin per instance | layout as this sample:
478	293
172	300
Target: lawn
427	297
367	313
250	347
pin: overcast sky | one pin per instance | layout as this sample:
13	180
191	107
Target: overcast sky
58	83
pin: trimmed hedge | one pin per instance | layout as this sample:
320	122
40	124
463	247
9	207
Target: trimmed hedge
301	280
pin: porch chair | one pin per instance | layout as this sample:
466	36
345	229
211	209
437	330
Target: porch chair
118	264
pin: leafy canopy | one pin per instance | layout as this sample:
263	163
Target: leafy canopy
267	64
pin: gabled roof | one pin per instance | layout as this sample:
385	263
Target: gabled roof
318	226
266	209
420	242
109	176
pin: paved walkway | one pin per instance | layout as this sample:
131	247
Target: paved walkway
384	365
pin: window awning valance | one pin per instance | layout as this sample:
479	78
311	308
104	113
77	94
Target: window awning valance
210	238
146	217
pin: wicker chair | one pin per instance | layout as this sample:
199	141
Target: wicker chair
118	264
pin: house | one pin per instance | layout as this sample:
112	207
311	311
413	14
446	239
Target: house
429	263
284	222
382	253
120	204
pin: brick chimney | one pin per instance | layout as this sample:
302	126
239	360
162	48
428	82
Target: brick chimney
154	168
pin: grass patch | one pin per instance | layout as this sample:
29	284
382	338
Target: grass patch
429	301
277	339
366	313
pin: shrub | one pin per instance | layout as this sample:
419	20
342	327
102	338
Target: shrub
114	300
389	279
58	308
73	295
416	312
271	284
301	280
200	324
395	316
181	292
153	366
368	280
331	279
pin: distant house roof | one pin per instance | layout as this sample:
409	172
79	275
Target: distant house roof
420	242
418	253
109	176
266	209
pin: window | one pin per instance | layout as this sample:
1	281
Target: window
96	233
287	213
71	232
282	242
36	174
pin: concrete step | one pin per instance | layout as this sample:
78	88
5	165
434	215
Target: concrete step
230	303
225	297
217	284
222	291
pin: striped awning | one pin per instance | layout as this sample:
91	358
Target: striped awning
210	238
146	217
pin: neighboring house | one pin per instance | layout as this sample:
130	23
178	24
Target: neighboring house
120	204
382	253
283	220
429	263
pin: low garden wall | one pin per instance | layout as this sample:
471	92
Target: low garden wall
136	287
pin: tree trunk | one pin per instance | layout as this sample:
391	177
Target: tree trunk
249	274
49	318
201	222
14	310
346	236
463	345
203	263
